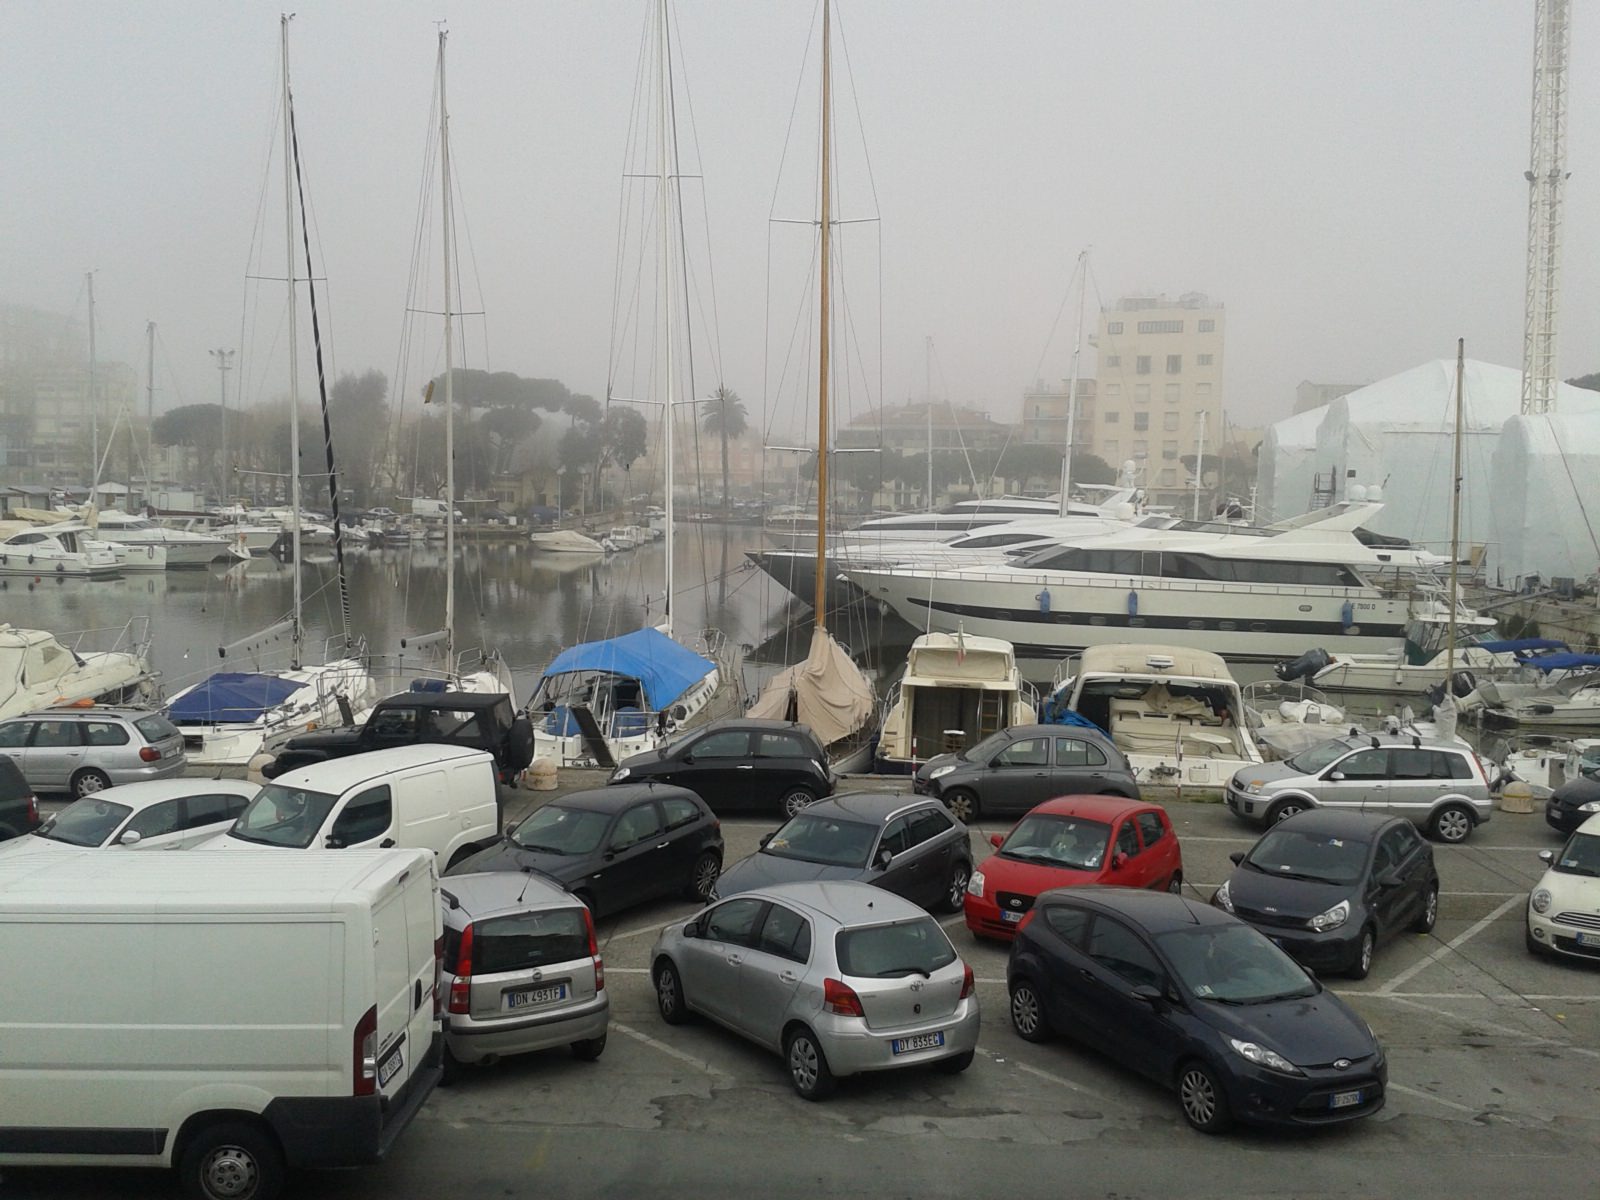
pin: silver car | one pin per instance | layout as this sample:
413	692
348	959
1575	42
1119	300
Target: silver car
839	977
1438	786
84	750
521	970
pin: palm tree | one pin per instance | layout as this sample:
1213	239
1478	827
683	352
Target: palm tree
728	417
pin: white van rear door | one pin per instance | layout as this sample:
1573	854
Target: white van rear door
394	975
477	798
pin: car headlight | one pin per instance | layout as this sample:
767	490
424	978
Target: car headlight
1592	806
620	774
1254	787
1222	900
1332	919
1541	900
1262	1057
940	772
975	884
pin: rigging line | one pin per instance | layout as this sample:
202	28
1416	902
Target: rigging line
629	149
396	424
1583	510
1080	265
705	211
794	108
855	103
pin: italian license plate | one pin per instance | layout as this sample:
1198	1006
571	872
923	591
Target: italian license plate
1589	939
390	1065
543	995
1012	917
922	1041
1344	1100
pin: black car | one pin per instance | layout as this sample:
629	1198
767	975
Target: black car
1328	886
1195	1000
1010	772
19	807
1573	803
903	844
614	847
741	763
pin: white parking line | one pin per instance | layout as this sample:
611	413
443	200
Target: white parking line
633	933
1455	943
1048	1076
1422	1095
639	1035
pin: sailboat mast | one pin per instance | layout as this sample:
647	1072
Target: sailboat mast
927	373
149	408
94	401
449	382
664	271
819	602
294	346
1199	462
1455	516
1072	388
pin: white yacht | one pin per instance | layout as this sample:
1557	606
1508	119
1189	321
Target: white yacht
963	517
183	547
1570	697
38	670
56	550
956	691
564	541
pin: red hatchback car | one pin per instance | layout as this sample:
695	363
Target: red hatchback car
1068	841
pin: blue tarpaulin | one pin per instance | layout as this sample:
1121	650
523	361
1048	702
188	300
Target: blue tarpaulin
663	668
1520	645
1561	662
232	696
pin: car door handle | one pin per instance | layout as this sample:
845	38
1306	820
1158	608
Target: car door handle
735	959
663	845
789	977
1085	972
746	767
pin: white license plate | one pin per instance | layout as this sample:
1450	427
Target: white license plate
1344	1100
543	995
922	1041
1013	917
1589	939
389	1066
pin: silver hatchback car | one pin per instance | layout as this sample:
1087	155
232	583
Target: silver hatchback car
85	750
520	970
839	977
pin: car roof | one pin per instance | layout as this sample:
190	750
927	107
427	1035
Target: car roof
482	894
1398	741
155	791
843	901
755	723
619	796
1041	730
869	806
1094	808
86	712
1157	912
1337	823
339	774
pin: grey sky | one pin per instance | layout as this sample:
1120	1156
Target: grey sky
1346	177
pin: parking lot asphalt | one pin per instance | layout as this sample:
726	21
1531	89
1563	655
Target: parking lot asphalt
1494	1074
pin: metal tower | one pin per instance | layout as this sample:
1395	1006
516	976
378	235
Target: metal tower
1547	177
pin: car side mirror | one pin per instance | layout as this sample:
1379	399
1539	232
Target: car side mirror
996	839
687	759
1117	861
1390	878
1236	857
386	844
132	837
692	929
885	857
1336	776
332	843
511	830
1150	995
1547	857
765	838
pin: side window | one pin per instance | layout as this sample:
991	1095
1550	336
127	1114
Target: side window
725	743
1410	763
1365	764
1070	752
1070	923
1452	766
14	734
1128	839
927	824
365	817
786	934
394	722
735	921
157	819
1150	827
105	733
679	811
638	823
897	837
1388	854
1408	840
780	745
1118	949
54	735
1029	752
210	810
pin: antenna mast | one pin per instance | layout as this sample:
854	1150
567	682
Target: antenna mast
1547	180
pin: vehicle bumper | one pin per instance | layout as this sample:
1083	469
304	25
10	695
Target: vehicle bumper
1331	951
1252	808
851	1048
1262	1097
1559	816
475	1042
166	768
984	919
1562	939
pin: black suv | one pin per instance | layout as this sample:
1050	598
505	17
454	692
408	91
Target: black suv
740	763
477	720
19	808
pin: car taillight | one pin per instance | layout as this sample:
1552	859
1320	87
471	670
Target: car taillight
438	976
33	810
1027	917
840	998
461	985
364	1055
968	983
149	754
594	952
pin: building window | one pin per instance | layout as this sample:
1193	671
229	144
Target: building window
1141	421
1141	393
1169	477
1204	360
1174	364
1142	364
1207	325
1113	360
1169	422
1113	417
1160	326
1038	411
1202	391
1113	390
1113	326
1169	450
1141	448
1110	447
1170	393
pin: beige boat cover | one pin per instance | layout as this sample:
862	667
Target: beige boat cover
826	692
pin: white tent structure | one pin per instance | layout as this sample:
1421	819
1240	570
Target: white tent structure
1286	466
1546	483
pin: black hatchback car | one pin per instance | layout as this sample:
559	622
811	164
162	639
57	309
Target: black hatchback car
1328	886
19	807
614	847
1010	772
1573	803
740	764
1197	1001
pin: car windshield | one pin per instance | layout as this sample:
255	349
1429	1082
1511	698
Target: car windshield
1232	964
1315	758
1317	857
916	947
1580	856
283	816
559	829
1058	841
86	822
986	749
812	837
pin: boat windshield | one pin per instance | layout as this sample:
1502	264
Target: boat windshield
283	816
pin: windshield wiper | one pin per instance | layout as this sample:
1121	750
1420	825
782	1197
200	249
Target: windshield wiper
1297	994
891	972
1296	875
537	848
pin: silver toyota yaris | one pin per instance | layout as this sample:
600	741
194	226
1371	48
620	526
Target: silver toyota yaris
838	977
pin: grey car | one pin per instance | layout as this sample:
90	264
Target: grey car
521	970
1439	786
840	978
1010	772
83	750
908	845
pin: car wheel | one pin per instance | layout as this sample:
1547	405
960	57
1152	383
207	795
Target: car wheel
963	805
88	782
1175	884
1361	964
1430	911
1204	1103
956	891
669	994
956	1065
589	1049
1452	823
703	877
232	1161
1027	1012
797	800
808	1066
1285	809
451	1068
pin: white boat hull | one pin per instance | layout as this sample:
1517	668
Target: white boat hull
235	743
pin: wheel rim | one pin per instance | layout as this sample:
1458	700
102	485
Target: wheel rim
230	1171
1199	1097
1431	910
1366	951
667	990
803	1064
1176	886
89	784
958	884
1454	825
705	877
1025	1011
961	807
1287	811
796	802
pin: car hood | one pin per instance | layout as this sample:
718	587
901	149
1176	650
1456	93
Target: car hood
505	855
1315	1031
764	870
1013	875
1270	774
1577	791
646	758
327	739
1287	897
1579	893
17	847
926	770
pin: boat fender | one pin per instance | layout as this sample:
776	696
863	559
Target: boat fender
60	567
1347	614
1044	600
1133	603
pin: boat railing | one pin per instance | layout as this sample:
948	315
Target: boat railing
132	638
1154	583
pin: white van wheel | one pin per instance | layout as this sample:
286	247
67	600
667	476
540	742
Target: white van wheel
232	1161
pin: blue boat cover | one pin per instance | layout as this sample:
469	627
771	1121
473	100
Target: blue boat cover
1561	662
663	668
232	696
1519	645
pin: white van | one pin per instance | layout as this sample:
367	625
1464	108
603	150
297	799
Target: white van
424	797
230	1015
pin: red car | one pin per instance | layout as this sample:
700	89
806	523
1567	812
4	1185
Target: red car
1067	841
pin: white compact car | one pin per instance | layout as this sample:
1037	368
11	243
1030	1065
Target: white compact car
161	814
1564	907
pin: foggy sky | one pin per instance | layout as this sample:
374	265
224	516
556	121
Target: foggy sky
1346	177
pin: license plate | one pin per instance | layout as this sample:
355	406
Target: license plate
543	995
1589	939
1344	1100
389	1066
922	1041
1013	917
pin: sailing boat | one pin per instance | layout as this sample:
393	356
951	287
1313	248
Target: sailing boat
827	691
476	671
230	717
